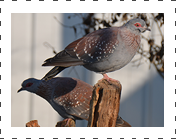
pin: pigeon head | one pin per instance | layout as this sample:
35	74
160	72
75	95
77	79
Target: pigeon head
30	85
137	25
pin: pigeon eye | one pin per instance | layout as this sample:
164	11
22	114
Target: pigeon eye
137	25
28	84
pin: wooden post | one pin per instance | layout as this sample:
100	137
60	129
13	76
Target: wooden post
104	105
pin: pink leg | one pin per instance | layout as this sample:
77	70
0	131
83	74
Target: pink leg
105	76
68	119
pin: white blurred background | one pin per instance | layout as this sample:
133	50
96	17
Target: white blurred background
142	98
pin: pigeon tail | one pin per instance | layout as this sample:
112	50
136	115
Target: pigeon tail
53	72
63	59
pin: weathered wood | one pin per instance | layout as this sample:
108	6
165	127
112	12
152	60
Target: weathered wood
122	123
104	105
66	123
33	123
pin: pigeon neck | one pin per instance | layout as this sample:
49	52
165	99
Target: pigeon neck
43	90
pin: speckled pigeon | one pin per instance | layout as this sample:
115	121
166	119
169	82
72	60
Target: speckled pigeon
70	97
101	51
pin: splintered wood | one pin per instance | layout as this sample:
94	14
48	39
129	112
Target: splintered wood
66	123
104	106
33	123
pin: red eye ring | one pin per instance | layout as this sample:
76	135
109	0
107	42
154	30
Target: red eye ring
137	24
28	84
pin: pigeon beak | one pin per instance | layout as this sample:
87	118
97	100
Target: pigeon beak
21	89
147	28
